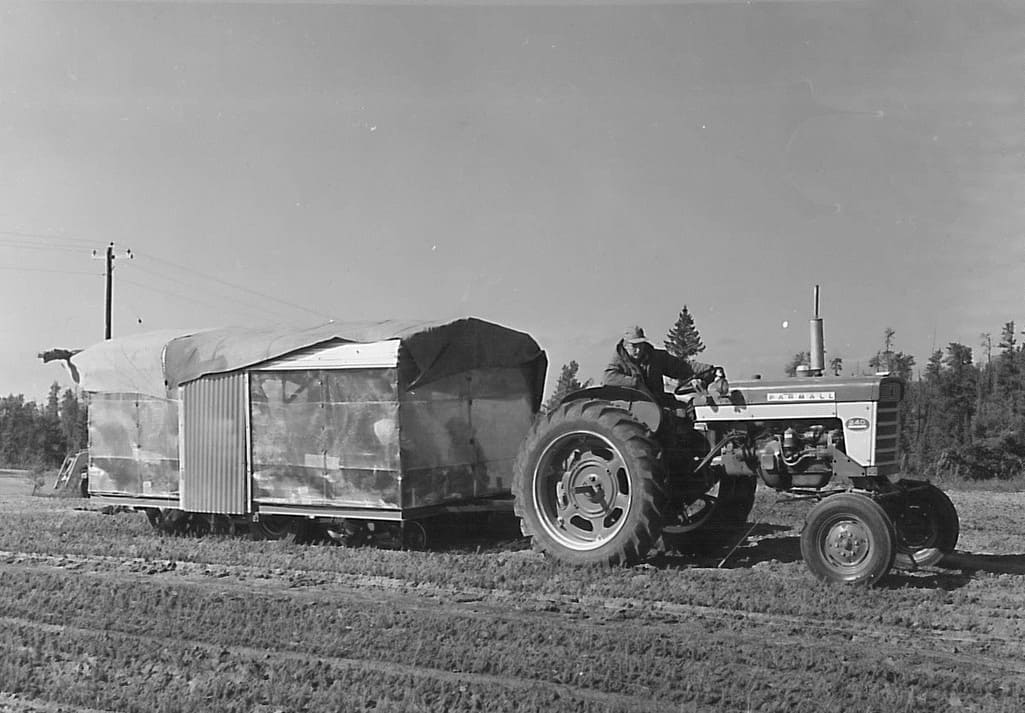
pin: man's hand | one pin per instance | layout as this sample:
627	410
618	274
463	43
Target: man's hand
720	386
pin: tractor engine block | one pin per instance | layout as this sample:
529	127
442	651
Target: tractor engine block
784	455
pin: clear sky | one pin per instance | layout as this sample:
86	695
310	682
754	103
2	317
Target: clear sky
567	170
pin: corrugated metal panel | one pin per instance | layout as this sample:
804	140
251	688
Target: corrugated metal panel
339	356
214	470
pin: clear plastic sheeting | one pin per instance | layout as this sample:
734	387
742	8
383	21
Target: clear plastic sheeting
325	437
133	445
460	434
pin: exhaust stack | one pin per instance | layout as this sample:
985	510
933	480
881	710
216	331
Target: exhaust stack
817	353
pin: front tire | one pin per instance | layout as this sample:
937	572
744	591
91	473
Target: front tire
588	485
927	527
848	539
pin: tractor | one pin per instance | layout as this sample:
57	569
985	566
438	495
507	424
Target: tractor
609	472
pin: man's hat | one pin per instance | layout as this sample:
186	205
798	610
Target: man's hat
635	335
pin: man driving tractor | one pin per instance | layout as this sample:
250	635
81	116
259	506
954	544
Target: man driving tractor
639	365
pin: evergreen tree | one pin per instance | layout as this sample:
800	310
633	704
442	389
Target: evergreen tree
73	421
53	401
957	388
836	365
1008	371
683	339
567	383
799	359
890	361
20	428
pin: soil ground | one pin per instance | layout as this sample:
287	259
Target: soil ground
100	613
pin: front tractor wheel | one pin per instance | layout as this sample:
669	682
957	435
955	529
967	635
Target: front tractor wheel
848	539
588	485
927	526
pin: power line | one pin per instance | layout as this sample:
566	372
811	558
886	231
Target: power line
40	236
30	246
72	243
239	287
221	299
177	295
41	269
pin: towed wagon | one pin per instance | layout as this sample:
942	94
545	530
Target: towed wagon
353	428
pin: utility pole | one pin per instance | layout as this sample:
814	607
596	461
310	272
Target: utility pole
109	257
110	290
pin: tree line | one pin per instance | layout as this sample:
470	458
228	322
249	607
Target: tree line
41	435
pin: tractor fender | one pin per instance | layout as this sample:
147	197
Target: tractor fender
642	404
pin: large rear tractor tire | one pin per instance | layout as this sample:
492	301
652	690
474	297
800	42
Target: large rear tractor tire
927	527
848	539
589	486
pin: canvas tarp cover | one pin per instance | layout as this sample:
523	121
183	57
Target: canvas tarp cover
158	363
126	365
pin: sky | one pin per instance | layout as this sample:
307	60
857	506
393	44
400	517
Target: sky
568	170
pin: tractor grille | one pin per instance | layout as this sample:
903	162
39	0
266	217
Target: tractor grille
887	438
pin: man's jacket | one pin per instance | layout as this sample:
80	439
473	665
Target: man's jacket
624	371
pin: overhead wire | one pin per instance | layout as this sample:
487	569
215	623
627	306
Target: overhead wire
39	236
44	269
31	246
247	306
21	240
193	271
178	295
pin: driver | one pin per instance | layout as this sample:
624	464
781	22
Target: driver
638	364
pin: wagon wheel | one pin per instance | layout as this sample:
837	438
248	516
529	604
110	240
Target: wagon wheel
279	527
414	536
155	516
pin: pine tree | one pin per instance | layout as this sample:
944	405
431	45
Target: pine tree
683	339
73	420
958	387
1008	372
53	401
890	361
836	365
567	383
799	359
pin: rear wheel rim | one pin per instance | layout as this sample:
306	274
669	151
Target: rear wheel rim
582	490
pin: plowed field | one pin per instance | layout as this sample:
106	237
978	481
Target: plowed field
100	613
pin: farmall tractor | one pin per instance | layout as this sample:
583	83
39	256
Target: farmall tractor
604	476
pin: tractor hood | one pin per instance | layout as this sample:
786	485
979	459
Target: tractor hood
817	389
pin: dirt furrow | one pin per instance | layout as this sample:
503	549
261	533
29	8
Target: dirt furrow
19	704
626	703
588	611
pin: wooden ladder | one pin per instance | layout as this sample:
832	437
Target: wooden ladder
72	465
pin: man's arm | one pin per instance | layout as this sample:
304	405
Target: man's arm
683	370
705	372
619	374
